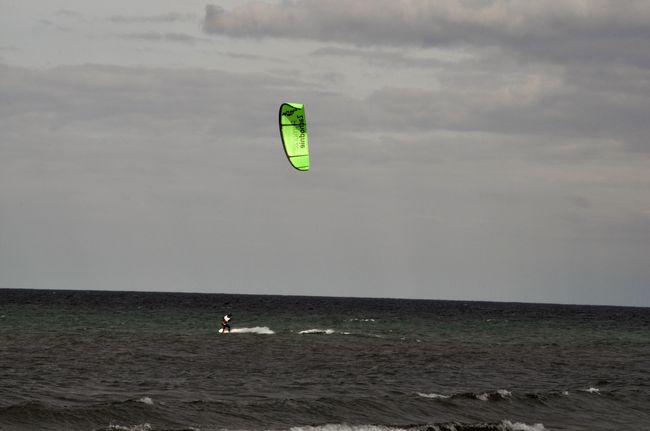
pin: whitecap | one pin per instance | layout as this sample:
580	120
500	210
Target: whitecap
432	395
146	400
518	426
317	331
255	330
592	390
141	427
504	393
346	427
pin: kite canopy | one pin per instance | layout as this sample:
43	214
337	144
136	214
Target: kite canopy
293	130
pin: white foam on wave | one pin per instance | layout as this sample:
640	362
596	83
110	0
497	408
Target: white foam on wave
141	427
519	426
317	331
255	330
592	390
345	427
503	393
146	400
505	425
432	395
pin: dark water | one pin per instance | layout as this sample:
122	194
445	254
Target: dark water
154	361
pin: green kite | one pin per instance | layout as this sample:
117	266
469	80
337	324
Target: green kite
293	130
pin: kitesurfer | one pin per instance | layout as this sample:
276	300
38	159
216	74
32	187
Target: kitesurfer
224	323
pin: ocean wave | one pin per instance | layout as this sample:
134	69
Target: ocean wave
146	400
345	427
504	394
519	426
318	331
254	330
498	395
547	395
140	427
504	425
434	396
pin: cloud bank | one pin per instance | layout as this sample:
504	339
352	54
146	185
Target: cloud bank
571	68
553	29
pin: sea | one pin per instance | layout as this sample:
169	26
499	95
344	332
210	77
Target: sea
145	361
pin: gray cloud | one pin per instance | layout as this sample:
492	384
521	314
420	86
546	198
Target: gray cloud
566	70
381	57
68	13
560	105
50	24
164	18
101	95
555	30
164	37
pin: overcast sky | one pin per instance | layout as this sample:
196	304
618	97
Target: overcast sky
473	150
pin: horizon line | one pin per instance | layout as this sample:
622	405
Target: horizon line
320	296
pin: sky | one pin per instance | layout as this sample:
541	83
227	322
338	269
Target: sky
460	149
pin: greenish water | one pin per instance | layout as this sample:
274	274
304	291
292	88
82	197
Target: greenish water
105	360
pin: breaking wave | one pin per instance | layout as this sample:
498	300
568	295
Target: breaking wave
498	395
504	425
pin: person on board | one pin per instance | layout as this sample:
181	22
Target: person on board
224	323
